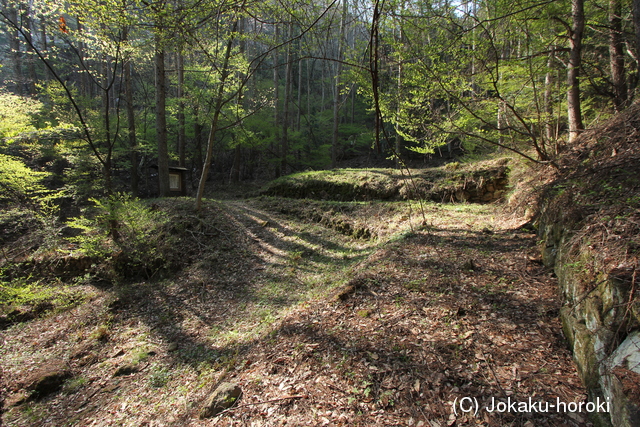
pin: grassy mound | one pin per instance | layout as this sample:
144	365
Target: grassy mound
45	269
452	182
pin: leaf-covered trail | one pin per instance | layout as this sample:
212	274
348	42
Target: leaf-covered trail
317	326
459	309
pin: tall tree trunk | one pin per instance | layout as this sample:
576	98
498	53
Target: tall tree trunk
234	176
161	119
501	121
399	140
104	98
276	102
636	27
14	46
131	119
336	87
285	108
309	86
354	90
198	130
105	87
31	56
549	133
45	48
616	55
299	101
374	62
181	119
322	80
84	81
573	73
399	143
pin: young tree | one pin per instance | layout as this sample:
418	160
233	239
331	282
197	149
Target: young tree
222	98
99	136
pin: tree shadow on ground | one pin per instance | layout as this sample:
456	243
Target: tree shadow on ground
252	280
397	327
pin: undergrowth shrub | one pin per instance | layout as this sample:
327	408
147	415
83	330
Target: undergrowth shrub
28	211
23	292
126	233
22	186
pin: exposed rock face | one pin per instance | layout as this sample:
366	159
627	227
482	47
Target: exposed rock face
621	381
222	398
490	191
589	224
600	319
127	369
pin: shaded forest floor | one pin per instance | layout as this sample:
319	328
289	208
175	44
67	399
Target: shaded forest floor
325	313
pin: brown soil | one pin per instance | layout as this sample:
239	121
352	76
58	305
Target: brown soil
317	328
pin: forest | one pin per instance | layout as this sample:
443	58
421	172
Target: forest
240	91
349	212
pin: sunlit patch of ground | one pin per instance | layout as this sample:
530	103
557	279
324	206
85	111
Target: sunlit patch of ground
317	326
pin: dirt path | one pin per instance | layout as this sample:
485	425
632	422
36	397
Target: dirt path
459	309
316	326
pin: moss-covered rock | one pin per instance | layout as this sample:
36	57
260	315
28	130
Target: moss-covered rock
588	227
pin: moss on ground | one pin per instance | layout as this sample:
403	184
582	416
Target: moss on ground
438	184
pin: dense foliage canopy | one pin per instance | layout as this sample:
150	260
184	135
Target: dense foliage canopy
247	90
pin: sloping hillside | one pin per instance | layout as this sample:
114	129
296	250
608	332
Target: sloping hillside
315	325
590	226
